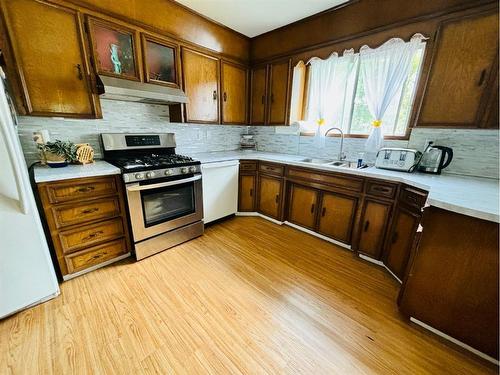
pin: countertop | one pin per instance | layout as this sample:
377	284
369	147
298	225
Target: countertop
472	196
43	173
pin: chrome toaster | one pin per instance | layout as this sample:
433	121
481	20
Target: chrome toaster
398	159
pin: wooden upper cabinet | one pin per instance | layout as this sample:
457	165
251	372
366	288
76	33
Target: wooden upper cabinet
270	196
259	96
303	206
234	93
50	59
336	216
373	225
462	73
161	61
201	84
279	82
115	49
400	241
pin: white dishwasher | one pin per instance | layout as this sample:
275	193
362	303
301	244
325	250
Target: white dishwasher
220	189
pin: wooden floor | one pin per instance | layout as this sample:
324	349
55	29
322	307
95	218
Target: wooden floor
248	297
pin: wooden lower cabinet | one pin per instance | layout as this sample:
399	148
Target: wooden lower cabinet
373	226
303	203
400	240
86	218
337	214
270	195
247	192
453	281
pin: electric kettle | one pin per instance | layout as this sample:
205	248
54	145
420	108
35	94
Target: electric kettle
435	158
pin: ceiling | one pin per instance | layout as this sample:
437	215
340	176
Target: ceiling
255	17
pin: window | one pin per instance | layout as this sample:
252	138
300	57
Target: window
339	98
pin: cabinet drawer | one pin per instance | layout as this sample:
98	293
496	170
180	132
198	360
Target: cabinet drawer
413	197
274	169
90	235
66	215
81	189
95	255
381	189
248	165
351	183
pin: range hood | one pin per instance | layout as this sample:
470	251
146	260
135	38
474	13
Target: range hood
132	91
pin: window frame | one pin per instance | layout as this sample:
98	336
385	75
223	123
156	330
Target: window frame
415	97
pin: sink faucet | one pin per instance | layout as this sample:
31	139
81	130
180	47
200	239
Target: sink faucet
342	155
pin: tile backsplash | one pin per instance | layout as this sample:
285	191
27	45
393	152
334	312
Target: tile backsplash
476	152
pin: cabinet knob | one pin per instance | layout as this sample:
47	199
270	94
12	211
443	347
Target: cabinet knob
251	192
225	97
80	73
214	95
277	198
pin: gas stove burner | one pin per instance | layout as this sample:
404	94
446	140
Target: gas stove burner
154	160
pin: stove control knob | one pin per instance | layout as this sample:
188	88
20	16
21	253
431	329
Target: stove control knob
184	170
139	176
192	169
150	175
168	172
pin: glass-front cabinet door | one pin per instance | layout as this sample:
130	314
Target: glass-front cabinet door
160	61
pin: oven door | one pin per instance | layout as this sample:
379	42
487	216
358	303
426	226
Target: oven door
160	207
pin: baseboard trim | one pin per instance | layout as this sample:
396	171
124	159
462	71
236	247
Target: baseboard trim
93	268
257	214
312	233
380	264
455	341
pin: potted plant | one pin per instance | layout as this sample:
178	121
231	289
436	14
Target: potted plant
58	154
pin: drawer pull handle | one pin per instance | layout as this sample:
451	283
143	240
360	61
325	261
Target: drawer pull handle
251	192
367	225
93	235
277	198
214	95
263	99
312	208
85	189
90	210
482	77
323	211
272	98
79	70
225	97
97	256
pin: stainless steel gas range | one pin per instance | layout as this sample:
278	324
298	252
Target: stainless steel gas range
164	190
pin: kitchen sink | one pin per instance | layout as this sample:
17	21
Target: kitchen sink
317	161
334	163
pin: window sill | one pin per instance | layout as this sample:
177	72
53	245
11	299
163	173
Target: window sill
388	137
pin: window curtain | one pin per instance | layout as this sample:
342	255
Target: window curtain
329	82
384	71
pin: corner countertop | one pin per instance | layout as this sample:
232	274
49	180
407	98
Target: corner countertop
44	173
472	196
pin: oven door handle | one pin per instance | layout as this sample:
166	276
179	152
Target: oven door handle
163	184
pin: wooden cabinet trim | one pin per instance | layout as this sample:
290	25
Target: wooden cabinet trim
338	180
95	255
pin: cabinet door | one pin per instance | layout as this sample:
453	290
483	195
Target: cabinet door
201	84
278	98
234	94
259	95
246	195
51	61
400	241
337	216
303	206
270	195
373	226
460	72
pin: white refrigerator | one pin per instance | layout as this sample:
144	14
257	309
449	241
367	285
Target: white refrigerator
27	274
